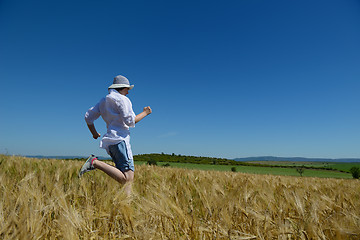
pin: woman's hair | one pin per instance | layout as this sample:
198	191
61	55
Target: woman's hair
119	89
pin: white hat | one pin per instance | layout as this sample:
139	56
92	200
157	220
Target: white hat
120	82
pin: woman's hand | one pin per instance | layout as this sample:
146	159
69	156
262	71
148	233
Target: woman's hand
147	110
93	131
97	135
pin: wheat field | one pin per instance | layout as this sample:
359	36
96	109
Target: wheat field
44	199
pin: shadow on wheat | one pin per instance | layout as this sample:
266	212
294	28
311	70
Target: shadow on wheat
44	199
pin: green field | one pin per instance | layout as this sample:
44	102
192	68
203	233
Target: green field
337	166
285	168
344	166
260	170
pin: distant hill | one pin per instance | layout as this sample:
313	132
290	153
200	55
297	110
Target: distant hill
296	159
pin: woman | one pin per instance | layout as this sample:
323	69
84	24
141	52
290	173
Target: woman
116	110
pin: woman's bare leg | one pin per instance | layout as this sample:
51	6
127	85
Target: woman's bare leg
111	171
129	178
122	177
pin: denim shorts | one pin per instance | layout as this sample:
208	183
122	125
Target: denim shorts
119	155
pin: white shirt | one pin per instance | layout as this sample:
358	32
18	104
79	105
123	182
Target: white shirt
116	110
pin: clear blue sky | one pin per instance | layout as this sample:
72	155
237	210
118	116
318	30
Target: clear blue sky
224	78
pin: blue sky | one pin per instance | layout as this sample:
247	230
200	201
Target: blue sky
224	78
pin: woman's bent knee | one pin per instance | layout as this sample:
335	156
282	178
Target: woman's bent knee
129	176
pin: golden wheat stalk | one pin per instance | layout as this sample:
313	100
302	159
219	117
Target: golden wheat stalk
44	199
